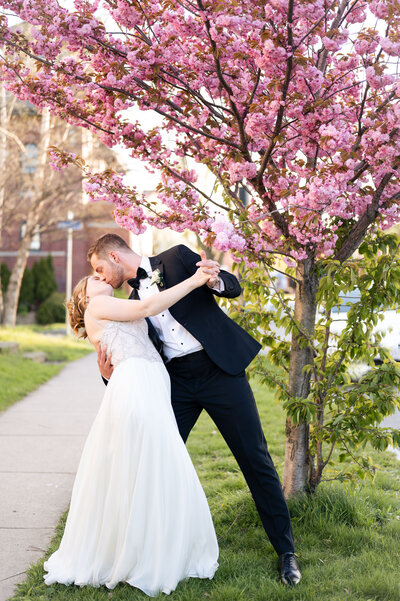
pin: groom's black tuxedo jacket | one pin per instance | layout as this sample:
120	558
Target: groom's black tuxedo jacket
226	343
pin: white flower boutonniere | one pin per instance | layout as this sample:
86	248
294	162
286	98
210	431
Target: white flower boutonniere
156	278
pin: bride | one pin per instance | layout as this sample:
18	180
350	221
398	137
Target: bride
138	513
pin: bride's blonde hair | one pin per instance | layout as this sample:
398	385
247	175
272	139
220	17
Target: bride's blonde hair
76	306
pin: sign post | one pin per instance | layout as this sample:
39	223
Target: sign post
70	226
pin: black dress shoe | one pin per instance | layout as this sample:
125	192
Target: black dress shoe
289	572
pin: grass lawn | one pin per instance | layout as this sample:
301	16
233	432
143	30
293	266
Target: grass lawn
347	536
18	376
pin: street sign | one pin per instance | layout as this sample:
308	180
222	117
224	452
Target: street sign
70	225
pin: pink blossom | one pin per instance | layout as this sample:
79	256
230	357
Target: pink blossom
238	171
217	77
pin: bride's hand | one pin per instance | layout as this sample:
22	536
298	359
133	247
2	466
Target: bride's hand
201	277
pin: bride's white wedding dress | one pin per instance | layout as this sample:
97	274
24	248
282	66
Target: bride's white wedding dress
138	513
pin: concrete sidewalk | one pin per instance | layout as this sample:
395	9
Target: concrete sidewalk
41	440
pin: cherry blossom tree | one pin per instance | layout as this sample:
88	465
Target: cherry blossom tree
294	101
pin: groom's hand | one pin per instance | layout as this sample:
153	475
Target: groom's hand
211	267
104	363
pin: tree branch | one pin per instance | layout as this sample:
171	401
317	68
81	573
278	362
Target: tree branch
227	88
285	88
357	233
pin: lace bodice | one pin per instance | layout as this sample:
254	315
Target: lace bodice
125	339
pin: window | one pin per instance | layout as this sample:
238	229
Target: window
36	241
243	195
29	159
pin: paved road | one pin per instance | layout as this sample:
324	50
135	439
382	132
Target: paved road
393	421
41	440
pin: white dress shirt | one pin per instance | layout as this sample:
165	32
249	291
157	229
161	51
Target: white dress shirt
177	341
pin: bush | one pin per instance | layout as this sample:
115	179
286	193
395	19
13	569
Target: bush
22	310
45	281
52	309
27	292
120	293
5	276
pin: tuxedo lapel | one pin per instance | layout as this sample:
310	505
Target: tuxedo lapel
156	263
151	329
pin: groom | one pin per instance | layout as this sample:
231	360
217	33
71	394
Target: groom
206	354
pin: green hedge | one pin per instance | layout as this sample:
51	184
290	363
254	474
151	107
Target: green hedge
5	276
38	289
27	292
52	309
44	278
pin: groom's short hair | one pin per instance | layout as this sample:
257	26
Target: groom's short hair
105	244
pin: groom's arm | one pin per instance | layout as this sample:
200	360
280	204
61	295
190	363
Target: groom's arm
229	288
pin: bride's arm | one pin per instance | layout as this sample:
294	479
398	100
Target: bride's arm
118	309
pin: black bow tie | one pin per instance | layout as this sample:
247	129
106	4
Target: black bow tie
140	275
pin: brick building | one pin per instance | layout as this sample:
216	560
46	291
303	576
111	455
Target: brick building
96	221
95	218
25	168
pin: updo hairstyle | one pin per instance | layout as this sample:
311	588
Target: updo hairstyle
76	307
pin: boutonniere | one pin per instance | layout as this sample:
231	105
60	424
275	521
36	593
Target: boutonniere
157	278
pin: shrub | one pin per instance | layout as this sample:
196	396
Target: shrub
45	281
121	292
27	292
5	276
52	309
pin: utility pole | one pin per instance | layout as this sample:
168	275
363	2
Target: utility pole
68	284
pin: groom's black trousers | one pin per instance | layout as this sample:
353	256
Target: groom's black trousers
196	384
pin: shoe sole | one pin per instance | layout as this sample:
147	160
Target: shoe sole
290	582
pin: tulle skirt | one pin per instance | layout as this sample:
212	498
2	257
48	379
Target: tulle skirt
138	513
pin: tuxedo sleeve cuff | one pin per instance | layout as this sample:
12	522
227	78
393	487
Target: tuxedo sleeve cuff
219	286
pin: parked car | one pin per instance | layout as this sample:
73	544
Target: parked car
388	325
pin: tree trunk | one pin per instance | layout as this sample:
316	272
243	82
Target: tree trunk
14	285
87	154
37	205
3	157
296	452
